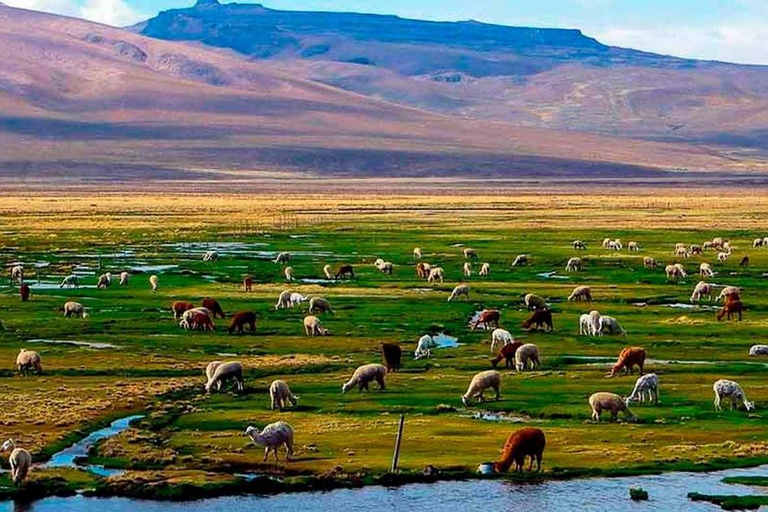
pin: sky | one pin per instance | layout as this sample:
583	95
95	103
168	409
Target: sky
727	30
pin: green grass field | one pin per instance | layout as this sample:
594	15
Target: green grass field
158	368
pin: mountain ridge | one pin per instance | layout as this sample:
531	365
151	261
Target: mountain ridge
83	101
533	77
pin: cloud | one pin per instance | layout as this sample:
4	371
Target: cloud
65	7
745	43
110	12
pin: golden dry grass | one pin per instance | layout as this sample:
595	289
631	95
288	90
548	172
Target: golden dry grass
629	208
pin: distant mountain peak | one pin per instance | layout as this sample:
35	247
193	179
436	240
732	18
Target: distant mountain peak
206	3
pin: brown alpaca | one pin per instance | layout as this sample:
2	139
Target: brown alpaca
526	442
507	352
202	322
744	261
541	319
24	291
214	307
179	307
489	318
393	356
733	306
628	359
345	271
241	319
248	284
421	271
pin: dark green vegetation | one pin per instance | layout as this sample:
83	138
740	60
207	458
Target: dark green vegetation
638	494
731	502
195	442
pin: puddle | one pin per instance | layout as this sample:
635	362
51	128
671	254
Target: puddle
123	254
442	340
87	344
493	416
225	354
56	286
682	305
551	275
320	281
152	268
68	456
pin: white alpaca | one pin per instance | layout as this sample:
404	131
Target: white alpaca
728	389
500	338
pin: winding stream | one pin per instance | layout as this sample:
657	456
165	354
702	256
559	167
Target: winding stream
667	492
66	457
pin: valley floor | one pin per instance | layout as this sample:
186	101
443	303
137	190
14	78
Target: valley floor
153	368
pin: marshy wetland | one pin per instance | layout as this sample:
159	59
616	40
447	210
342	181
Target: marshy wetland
130	358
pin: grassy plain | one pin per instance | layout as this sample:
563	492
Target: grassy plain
157	369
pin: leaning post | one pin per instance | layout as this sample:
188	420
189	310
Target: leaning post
396	456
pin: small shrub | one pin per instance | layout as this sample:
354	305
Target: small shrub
638	494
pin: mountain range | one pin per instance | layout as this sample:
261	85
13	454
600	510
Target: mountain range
238	92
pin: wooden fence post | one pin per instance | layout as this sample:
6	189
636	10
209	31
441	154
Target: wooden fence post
396	456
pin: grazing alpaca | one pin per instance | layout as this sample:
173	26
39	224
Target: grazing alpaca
345	271
609	402
272	437
364	375
214	307
527	357
581	293
201	322
507	352
29	360
744	262
312	327
733	306
732	391
240	320
153	282
629	358
281	396
526	442
20	461
645	386
223	373
573	265
248	284
25	292
392	355
179	307
17	274
534	301
458	291
541	319
489	318
479	383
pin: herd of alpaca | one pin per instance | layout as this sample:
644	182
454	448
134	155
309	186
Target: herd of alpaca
526	442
